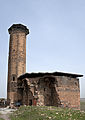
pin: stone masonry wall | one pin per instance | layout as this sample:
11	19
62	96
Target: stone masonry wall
69	92
60	91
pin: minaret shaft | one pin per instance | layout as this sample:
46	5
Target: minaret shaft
17	59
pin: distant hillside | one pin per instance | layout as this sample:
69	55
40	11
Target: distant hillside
82	99
82	103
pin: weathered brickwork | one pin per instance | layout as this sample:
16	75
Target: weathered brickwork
17	58
40	89
50	90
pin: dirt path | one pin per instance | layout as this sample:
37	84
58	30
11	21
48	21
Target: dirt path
5	113
5	117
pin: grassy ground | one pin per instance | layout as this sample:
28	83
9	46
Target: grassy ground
47	113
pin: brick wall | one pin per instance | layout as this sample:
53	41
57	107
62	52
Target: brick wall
60	91
17	59
69	91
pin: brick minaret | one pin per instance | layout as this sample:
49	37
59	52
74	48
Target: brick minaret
17	59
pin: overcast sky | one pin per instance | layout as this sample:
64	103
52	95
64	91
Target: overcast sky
57	36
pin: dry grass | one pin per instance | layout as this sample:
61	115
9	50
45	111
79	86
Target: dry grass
47	113
1	119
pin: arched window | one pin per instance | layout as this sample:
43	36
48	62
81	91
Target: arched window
13	77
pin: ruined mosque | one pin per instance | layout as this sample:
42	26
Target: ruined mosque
39	89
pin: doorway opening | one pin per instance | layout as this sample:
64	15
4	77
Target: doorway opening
30	102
